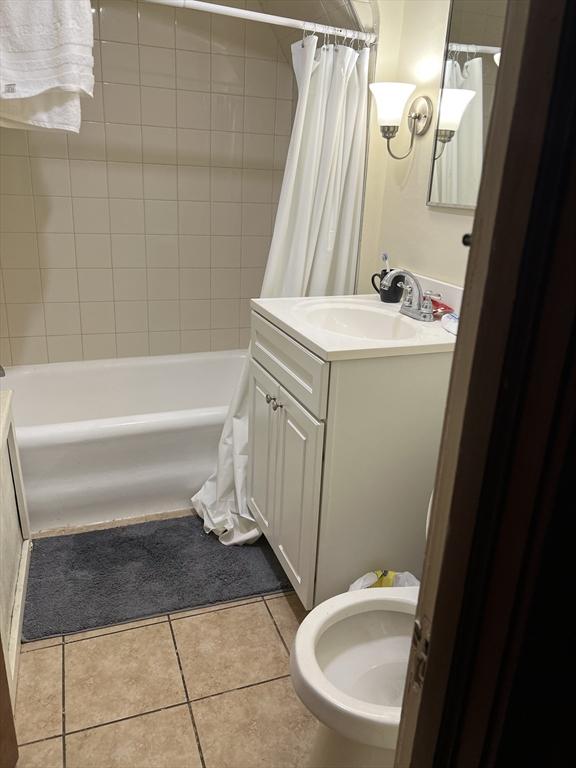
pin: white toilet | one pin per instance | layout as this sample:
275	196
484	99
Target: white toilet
348	667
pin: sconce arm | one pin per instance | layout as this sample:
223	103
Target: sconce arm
413	120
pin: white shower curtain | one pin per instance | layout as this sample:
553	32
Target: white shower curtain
457	173
315	242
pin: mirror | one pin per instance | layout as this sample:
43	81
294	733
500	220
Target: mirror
471	61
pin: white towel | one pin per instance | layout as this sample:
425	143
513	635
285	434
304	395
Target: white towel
46	62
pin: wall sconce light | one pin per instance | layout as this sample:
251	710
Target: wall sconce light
391	99
453	103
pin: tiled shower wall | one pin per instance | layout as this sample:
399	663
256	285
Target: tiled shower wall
149	231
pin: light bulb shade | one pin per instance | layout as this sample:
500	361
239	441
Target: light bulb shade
497	58
453	104
391	100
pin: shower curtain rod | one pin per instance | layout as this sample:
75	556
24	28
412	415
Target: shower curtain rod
266	18
471	48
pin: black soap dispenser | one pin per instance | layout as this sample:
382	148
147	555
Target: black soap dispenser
390	295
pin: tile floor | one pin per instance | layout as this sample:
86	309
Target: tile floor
207	688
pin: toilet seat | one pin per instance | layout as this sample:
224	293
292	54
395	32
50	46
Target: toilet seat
349	661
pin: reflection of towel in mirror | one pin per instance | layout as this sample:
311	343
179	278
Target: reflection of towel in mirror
46	62
457	172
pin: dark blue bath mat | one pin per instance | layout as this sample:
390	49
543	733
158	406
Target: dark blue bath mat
88	580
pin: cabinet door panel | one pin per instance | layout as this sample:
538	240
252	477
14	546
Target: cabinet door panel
298	479
10	546
262	450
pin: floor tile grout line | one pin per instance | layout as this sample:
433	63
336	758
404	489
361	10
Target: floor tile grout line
164	618
63	704
154	711
277	628
192	718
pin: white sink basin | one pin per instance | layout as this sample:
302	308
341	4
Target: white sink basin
348	318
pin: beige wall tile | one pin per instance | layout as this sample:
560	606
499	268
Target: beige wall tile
227	149
125	180
225	313
89	178
195	315
225	283
119	675
17	213
120	63
227	112
226	218
193	30
226	184
226	251
93	251
95	284
97	317
119	21
156	25
63	349
193	218
164	342
15	142
53	214
224	338
283	117
227	75
159	144
228	35
161	217
162	284
162	251
244	336
163	316
46	144
132	344
126	216
285	81
193	147
124	143
199	637
99	346
39	696
131	316
256	219
193	110
160	182
158	106
256	186
260	78
22	286
281	145
194	341
91	215
255	251
18	250
194	183
149	741
129	284
260	115
62	318
266	725
25	320
261	42
93	108
122	103
15	176
193	71
89	144
194	283
29	350
128	251
6	351
194	251
158	67
258	151
59	285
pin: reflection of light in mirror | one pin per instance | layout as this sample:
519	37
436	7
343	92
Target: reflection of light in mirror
452	107
427	69
497	58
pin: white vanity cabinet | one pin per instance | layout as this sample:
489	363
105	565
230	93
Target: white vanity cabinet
14	543
342	456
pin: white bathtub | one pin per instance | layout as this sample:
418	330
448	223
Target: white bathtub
113	439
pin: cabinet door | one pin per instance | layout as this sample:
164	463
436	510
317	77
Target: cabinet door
262	447
300	443
11	541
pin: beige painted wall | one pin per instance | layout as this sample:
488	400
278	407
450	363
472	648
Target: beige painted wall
397	220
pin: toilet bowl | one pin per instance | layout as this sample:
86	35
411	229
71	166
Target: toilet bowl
349	663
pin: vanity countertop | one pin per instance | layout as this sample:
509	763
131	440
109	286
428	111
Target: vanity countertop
352	327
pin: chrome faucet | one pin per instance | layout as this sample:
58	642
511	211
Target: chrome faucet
416	303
